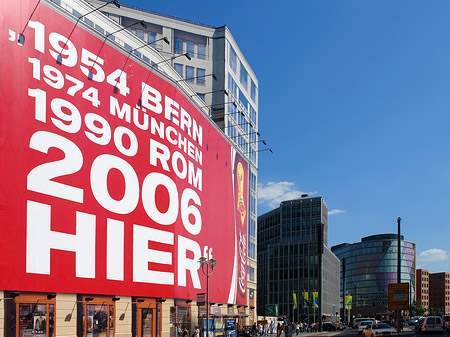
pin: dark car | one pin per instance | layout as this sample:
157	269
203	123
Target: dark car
328	326
419	323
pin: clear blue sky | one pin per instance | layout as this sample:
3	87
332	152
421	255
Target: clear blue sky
354	100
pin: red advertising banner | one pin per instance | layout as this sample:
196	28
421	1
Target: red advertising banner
111	181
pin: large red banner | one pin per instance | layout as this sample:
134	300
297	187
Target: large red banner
111	181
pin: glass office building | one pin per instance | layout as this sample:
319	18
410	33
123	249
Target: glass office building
370	266
296	270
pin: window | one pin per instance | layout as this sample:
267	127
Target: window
232	86
178	46
189	74
151	37
233	59
253	91
202	96
76	13
97	316
89	22
140	33
34	316
100	29
201	51
243	100
244	77
179	69
128	47
251	273
190	48
200	76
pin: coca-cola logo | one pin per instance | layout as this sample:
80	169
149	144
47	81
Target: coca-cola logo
242	262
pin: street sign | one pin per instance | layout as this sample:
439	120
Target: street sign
272	310
398	296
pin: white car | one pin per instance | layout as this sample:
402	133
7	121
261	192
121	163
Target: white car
362	325
378	329
432	324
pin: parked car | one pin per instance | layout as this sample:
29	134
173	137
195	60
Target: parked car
358	320
432	324
328	326
378	329
413	321
362	325
389	322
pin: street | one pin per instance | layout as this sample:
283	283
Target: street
407	332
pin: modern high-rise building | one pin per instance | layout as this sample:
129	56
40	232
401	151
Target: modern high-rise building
423	288
440	292
218	72
370	266
128	173
297	273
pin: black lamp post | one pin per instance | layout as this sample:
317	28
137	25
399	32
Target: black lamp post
209	265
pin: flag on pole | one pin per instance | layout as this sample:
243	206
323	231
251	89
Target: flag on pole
348	302
305	299
315	299
294	296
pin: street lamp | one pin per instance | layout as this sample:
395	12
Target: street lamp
209	264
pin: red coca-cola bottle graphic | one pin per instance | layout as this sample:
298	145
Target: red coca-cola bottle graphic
241	224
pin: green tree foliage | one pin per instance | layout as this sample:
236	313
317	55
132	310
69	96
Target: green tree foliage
419	310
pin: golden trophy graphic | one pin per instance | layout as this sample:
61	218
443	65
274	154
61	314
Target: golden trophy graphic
240	204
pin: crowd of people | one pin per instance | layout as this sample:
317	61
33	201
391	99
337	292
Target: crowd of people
279	328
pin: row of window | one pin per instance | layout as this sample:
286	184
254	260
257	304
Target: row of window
243	74
196	50
191	74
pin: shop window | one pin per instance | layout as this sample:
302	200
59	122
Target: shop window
32	315
97	317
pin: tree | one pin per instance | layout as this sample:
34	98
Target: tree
419	310
435	311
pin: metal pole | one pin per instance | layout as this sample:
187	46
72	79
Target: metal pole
207	300
399	278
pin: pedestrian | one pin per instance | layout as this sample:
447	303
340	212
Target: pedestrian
297	328
254	329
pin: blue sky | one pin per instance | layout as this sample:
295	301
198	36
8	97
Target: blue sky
354	101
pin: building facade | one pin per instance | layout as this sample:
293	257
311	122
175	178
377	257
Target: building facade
370	266
422	295
440	292
137	157
221	76
296	271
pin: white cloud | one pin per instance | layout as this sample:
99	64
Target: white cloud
273	193
335	211
433	255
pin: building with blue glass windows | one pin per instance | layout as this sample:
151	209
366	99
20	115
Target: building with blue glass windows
370	266
297	272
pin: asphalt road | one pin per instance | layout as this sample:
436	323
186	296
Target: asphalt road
407	332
